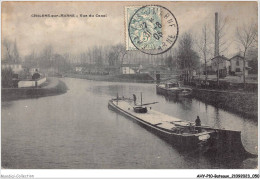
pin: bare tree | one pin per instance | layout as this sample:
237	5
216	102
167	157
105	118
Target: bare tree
16	53
187	58
224	43
83	58
203	45
119	53
246	38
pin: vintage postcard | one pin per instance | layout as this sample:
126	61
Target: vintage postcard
129	85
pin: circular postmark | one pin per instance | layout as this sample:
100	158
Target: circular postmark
153	29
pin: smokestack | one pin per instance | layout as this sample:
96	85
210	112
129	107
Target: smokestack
216	35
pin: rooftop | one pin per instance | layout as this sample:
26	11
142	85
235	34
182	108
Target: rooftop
220	56
237	56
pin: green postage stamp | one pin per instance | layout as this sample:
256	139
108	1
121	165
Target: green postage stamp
143	28
151	29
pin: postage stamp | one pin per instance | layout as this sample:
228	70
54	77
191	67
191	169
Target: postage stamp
151	29
146	27
129	12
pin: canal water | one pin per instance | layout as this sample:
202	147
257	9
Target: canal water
76	130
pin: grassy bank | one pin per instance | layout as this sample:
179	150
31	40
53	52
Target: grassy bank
243	103
51	87
136	78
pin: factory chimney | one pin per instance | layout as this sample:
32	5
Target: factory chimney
216	36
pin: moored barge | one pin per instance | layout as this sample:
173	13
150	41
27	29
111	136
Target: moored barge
173	89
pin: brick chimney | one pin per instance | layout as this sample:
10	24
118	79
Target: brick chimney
216	36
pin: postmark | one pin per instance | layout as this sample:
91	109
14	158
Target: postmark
152	29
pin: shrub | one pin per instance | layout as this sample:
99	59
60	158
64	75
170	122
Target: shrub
7	78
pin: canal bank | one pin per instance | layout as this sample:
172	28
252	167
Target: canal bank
52	86
133	78
244	103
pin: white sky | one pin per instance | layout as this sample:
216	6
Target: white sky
78	34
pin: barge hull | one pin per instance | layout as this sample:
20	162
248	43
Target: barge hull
183	142
222	143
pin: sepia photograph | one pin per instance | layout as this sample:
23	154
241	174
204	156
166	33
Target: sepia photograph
129	85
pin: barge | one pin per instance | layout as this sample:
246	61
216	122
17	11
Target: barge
173	89
182	134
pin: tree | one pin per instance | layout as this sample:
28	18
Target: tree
7	50
119	51
252	57
44	60
7	76
246	38
111	59
187	58
97	53
253	63
30	60
170	62
224	42
203	45
16	56
83	58
60	63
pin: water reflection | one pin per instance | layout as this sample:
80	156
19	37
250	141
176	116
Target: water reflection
185	103
217	119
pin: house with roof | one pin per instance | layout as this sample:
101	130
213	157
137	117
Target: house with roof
129	68
16	67
237	64
222	64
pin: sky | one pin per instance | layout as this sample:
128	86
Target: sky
75	35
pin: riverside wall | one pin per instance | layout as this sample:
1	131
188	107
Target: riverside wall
31	83
53	87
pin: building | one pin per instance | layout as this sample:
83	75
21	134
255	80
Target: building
78	69
210	71
222	64
236	65
16	67
34	70
129	68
